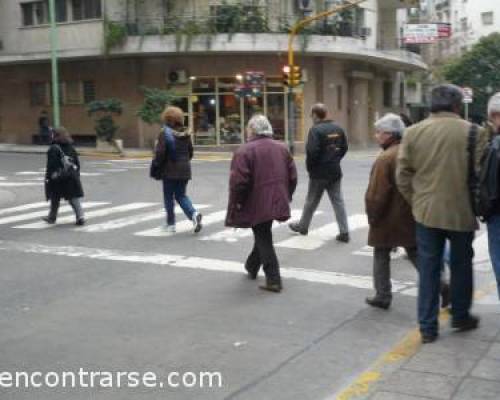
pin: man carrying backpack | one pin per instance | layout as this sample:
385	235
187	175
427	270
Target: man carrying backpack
493	221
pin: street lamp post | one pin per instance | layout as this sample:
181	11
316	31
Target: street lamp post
55	75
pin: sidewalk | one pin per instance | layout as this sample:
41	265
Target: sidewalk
458	366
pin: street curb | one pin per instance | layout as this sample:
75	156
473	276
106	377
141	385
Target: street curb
365	384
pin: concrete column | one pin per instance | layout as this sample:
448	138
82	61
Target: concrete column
359	118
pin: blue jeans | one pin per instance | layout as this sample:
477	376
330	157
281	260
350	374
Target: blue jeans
430	248
494	246
176	189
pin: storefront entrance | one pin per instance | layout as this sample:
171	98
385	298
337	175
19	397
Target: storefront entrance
216	116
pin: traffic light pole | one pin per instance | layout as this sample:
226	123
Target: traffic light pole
55	75
294	31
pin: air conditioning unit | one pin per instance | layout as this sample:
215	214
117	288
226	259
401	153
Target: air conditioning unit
177	77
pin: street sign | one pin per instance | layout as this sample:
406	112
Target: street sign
468	95
425	33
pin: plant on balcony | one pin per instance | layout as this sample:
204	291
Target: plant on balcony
103	112
155	101
115	34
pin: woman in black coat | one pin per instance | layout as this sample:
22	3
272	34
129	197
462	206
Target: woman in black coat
69	188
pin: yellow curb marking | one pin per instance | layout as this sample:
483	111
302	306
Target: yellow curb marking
406	348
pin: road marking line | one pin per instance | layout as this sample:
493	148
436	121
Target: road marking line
318	237
196	263
127	221
367	251
24	207
184	226
232	235
92	214
38	214
19	184
91	174
27	173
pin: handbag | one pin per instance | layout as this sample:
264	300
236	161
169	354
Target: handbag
156	167
68	169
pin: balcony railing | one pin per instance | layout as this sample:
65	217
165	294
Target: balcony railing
250	22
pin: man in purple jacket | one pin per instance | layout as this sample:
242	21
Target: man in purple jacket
262	182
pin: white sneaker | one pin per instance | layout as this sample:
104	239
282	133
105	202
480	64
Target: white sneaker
169	228
197	222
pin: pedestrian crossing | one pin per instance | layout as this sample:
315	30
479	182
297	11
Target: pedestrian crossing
133	218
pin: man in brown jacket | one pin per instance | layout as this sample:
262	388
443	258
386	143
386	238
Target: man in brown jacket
432	175
389	214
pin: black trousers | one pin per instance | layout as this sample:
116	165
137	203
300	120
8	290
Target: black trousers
263	253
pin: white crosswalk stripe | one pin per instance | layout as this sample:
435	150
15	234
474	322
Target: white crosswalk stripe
19	184
367	251
38	214
24	207
231	235
184	226
92	214
318	237
132	220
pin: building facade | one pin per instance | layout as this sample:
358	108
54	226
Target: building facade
198	50
470	21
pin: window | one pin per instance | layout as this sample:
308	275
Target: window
37	12
487	18
86	9
463	24
38	93
61	11
27	10
88	91
387	94
73	92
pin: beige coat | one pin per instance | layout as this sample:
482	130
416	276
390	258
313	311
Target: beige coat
432	171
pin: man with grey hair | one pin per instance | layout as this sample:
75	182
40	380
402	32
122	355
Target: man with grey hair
433	176
493	221
326	146
389	214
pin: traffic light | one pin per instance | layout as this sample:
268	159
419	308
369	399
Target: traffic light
292	75
295	75
286	75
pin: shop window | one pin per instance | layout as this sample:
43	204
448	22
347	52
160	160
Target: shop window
89	91
276	114
204	85
86	9
387	94
230	118
204	118
39	93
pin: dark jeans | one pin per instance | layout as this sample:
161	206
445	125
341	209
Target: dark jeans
74	203
176	189
314	193
430	245
494	246
263	253
382	271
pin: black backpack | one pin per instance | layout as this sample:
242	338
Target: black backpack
484	188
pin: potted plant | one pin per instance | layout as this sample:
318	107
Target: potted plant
103	112
155	101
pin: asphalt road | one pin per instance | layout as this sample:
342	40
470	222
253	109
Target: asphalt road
120	295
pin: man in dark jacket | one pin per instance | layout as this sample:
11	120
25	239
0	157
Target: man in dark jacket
263	180
326	146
